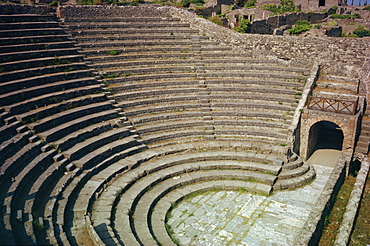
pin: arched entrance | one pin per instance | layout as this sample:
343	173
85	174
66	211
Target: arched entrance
324	135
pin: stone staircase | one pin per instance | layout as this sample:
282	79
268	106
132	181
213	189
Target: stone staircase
107	122
55	120
364	138
186	84
337	87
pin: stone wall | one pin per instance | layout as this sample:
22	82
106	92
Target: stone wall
337	56
315	222
8	9
268	25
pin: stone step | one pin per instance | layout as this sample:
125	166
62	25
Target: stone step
58	132
186	54
29	32
250	124
69	115
102	32
38	115
236	75
140	120
297	86
177	137
293	164
83	181
271	68
169	126
146	105
336	78
251	105
100	154
127	44
26	83
32	109
39	71
122	25
9	130
149	63
32	54
363	144
15	164
335	94
40	62
334	85
364	150
34	39
116	88
124	72
89	131
36	46
14	17
254	133
11	146
155	93
295	182
255	90
155	110
29	25
114	38
20	95
254	114
114	19
95	142
299	171
19	190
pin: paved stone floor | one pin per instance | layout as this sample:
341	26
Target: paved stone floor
240	218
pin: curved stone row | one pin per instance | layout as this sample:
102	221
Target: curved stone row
141	78
132	208
53	112
69	154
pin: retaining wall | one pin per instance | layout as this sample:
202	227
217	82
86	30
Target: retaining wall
268	25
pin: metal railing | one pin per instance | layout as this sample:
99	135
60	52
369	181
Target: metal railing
332	105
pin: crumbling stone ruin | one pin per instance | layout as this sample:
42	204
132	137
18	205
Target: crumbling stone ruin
110	115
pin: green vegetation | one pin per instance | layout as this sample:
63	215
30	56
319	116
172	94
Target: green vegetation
217	20
333	220
333	23
300	27
243	26
335	8
136	2
338	16
361	31
186	3
367	8
54	3
283	7
245	3
360	234
109	76
113	52
317	26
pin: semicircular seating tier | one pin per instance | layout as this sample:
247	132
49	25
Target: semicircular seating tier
101	114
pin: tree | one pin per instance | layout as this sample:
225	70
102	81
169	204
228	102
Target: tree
243	26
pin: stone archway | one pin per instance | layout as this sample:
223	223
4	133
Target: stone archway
347	124
324	135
